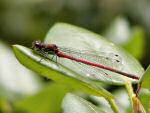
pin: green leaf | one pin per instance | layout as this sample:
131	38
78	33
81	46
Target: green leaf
46	101
5	106
119	31
136	44
74	37
146	78
75	104
122	101
145	99
50	70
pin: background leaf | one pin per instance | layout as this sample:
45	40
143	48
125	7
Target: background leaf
146	78
122	101
15	80
75	104
123	34
47	100
145	99
136	45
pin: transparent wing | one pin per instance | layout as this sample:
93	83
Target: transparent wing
106	59
93	73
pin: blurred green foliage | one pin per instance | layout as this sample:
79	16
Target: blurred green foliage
48	100
131	38
22	21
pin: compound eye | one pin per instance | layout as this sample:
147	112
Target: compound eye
37	42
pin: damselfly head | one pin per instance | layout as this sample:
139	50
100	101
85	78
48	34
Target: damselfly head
36	44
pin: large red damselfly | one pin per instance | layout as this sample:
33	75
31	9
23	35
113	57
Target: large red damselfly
89	61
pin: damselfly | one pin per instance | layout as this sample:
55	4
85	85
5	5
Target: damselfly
88	61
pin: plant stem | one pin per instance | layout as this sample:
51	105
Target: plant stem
130	91
137	107
113	105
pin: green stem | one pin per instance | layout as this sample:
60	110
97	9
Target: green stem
130	91
137	107
113	105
